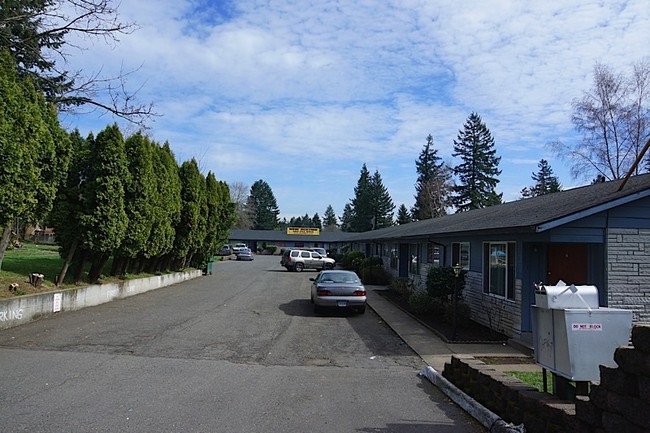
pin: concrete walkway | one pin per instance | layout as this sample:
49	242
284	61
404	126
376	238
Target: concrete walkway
431	348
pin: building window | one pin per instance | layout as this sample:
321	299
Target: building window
433	254
499	269
460	254
414	262
394	256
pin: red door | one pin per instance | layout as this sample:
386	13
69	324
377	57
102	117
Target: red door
567	262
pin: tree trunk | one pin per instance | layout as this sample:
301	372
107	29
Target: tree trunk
4	243
79	271
96	268
66	263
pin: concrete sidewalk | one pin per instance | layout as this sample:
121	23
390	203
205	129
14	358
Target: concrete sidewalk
431	348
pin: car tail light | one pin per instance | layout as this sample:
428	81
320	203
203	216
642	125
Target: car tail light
322	292
359	293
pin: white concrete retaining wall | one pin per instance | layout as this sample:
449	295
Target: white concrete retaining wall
22	309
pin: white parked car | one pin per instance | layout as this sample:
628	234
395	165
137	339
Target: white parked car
298	260
238	247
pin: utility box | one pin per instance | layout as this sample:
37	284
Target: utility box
572	335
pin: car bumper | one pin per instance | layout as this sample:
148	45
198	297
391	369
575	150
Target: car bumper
340	301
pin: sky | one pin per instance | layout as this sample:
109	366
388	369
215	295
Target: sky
301	94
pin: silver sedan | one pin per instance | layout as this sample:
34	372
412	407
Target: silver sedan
338	289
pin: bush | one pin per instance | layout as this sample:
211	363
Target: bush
375	275
271	249
441	282
352	260
402	286
421	303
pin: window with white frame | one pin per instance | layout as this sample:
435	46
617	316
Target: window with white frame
414	262
460	254
499	269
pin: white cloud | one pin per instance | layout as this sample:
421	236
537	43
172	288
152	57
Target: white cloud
282	90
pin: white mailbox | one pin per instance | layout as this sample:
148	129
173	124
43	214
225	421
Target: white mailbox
572	335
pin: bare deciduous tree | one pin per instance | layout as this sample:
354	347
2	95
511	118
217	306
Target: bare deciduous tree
36	33
239	195
614	120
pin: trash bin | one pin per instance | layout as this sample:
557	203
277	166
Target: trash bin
572	335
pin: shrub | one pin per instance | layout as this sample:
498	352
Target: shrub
375	275
421	303
402	286
352	260
271	249
441	282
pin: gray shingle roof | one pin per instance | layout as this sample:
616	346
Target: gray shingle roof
535	214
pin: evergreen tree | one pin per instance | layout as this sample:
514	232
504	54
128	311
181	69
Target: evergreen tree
139	201
545	182
167	211
220	215
346	218
478	168
191	229
371	208
382	203
362	214
69	203
403	215
34	152
329	218
104	222
262	200
316	222
36	32
433	186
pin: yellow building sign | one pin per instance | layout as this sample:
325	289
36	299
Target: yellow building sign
303	231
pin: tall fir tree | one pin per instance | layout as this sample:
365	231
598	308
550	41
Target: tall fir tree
346	218
329	218
545	181
382	204
403	215
316	221
478	169
371	208
433	186
266	211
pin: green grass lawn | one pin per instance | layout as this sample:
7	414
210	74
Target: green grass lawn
19	263
534	379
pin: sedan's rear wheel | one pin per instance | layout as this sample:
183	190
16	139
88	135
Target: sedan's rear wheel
361	310
299	267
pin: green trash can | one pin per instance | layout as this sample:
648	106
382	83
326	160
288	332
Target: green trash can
209	266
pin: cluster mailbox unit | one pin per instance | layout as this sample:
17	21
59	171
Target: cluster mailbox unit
572	335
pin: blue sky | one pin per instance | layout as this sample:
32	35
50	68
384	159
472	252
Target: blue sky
302	93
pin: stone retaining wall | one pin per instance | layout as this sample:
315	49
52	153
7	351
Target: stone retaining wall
619	404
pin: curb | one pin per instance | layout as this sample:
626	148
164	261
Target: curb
488	419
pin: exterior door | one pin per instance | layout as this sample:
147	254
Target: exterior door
567	262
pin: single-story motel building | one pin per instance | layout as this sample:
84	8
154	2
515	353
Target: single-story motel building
592	235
